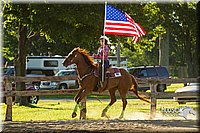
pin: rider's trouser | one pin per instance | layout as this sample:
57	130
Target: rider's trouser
106	65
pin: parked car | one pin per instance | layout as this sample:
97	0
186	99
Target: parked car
158	72
66	84
29	87
192	87
10	71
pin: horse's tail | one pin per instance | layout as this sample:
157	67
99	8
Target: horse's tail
135	90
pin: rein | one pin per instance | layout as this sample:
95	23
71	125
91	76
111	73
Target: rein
84	76
88	74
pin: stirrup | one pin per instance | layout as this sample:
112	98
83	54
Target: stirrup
107	72
102	88
101	84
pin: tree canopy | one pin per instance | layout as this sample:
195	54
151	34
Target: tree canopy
58	28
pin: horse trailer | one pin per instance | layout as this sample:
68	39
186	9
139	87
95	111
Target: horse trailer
50	65
47	65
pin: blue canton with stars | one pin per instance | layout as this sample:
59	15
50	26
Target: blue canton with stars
114	14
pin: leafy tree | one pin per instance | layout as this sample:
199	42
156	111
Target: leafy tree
65	25
58	28
182	28
174	18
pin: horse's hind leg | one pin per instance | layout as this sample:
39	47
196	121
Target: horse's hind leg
112	101
124	101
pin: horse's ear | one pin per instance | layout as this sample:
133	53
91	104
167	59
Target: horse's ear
76	49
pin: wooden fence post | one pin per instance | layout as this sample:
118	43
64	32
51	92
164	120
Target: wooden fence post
83	110
8	89
153	86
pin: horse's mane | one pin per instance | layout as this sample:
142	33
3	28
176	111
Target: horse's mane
89	60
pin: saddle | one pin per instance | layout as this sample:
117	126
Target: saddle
111	72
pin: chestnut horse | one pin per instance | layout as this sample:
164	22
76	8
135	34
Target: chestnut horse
88	80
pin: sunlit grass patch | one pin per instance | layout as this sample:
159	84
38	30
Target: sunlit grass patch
174	87
62	109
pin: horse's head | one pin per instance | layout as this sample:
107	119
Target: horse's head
71	58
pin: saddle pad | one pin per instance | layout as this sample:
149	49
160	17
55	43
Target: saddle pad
114	72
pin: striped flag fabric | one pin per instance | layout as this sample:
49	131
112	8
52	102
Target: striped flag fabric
120	23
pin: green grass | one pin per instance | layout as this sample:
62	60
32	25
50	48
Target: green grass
171	88
71	96
62	109
174	87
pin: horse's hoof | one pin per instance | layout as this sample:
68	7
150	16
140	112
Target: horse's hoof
74	114
121	118
104	115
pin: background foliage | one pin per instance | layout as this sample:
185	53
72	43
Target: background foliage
57	28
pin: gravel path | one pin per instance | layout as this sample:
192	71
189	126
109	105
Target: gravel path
120	126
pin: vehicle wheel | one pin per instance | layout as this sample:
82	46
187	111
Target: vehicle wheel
161	87
36	83
63	86
33	99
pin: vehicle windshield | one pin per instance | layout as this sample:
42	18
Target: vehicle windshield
66	73
162	71
8	71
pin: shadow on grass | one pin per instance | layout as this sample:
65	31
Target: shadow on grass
53	108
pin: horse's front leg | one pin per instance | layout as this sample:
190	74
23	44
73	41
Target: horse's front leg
81	96
78	105
84	93
78	94
74	114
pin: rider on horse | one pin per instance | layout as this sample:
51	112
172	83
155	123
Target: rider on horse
102	54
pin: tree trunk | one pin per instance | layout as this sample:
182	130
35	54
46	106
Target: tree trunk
188	51
164	50
20	66
197	47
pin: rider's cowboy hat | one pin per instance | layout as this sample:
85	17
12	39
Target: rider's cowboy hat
106	38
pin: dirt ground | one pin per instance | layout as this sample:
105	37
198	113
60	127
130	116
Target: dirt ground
88	126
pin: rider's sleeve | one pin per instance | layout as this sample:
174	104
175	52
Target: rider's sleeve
99	54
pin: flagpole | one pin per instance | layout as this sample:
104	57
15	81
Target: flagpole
104	43
118	52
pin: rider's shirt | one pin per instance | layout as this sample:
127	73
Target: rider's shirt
100	52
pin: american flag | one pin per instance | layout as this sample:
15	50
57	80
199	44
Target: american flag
118	22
